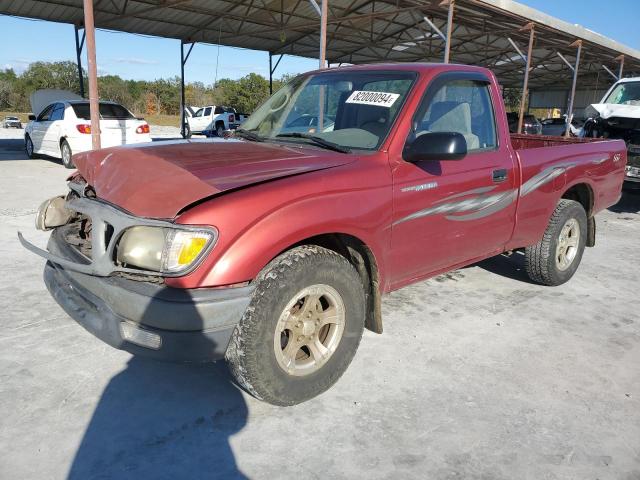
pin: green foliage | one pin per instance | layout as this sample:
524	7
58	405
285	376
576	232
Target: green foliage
158	97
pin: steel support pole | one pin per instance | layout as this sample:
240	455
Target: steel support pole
270	74
620	58
447	45
323	33
183	62
577	43
525	85
90	33
183	132
323	56
79	45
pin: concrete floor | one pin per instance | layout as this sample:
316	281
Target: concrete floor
479	375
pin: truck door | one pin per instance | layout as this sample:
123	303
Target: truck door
197	123
450	212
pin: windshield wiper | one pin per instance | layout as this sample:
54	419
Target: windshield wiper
317	140
247	135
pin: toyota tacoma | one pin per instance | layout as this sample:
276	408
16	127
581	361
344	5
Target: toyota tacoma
272	248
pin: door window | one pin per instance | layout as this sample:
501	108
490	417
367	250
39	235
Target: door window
462	106
207	111
45	114
57	113
198	113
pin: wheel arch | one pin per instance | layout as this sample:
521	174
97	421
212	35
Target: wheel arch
583	194
364	261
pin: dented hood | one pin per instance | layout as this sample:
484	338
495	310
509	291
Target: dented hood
158	180
608	110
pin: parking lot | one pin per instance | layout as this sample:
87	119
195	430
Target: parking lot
479	375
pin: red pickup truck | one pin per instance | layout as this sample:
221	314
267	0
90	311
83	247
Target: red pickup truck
273	248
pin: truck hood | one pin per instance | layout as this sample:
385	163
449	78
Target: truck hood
158	180
608	110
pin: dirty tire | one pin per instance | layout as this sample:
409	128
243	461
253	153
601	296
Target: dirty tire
66	153
28	146
251	355
540	259
220	130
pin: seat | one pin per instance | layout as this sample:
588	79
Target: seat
373	119
452	116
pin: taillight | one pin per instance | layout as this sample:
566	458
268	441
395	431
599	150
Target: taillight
232	118
144	128
83	128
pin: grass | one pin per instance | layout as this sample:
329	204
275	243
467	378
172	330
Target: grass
163	120
24	117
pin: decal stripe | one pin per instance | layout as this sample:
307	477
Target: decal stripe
481	205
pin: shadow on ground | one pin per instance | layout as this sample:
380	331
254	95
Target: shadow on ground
629	202
13	149
164	420
509	266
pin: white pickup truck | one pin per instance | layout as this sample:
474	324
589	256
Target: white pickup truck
212	120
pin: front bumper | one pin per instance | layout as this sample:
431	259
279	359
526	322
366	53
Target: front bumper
185	325
632	175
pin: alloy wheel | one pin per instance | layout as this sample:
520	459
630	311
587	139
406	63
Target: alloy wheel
309	330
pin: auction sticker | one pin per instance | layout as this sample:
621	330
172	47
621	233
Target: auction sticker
380	99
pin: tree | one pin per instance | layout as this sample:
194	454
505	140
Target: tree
142	97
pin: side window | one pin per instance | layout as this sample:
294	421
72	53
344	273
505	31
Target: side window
217	111
45	114
462	106
199	112
57	113
207	111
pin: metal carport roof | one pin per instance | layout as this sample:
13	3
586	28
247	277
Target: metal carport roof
360	31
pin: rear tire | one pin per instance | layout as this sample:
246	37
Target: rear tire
28	146
65	153
220	130
555	258
301	328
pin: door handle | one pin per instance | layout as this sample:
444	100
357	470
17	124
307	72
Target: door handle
499	175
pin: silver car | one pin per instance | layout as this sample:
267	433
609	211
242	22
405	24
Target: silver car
11	122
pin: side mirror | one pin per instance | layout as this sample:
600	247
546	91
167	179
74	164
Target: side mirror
32	118
436	146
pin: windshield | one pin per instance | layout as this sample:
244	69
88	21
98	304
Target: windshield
108	111
626	93
348	109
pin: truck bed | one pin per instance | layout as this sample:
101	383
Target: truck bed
521	141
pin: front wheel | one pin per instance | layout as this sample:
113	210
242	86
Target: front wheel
65	153
555	258
301	328
28	146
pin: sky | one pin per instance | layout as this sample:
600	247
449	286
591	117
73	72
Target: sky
145	58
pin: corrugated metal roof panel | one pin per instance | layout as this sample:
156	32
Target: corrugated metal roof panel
358	31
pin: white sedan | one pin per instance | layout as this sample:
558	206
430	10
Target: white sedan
63	127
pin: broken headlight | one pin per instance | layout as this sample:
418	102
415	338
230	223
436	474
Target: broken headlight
164	250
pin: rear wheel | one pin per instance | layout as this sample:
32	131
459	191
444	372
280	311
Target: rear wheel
65	152
28	146
302	327
220	130
555	258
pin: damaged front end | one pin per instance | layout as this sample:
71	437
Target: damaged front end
607	123
106	240
106	269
